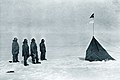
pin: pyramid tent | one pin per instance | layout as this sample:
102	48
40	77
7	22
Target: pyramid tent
95	52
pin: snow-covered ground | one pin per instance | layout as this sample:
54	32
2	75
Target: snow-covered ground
65	60
65	54
64	67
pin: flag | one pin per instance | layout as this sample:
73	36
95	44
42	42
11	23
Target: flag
91	21
92	16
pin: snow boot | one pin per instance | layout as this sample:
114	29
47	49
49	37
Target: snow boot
26	65
38	62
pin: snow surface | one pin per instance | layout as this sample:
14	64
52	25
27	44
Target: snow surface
67	68
65	54
65	61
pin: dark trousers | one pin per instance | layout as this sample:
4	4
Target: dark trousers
42	57
34	58
15	57
25	60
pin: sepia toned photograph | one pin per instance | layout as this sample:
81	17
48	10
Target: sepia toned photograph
59	39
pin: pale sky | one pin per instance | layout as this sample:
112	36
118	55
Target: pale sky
58	16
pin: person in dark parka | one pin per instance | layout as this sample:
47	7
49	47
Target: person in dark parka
42	50
15	50
34	52
25	51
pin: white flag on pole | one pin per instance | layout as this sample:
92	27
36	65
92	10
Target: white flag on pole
91	21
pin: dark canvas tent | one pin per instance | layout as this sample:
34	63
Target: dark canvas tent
95	52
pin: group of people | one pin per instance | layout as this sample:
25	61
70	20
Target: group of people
25	51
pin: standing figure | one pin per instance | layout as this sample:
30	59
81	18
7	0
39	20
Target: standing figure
42	50
25	51
34	52
15	50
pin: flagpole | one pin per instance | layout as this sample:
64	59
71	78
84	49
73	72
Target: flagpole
92	16
93	27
